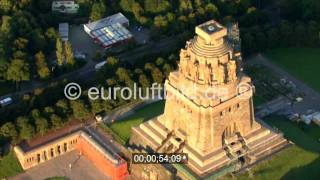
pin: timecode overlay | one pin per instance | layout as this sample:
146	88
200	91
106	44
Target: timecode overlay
159	158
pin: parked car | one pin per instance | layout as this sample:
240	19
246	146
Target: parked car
6	101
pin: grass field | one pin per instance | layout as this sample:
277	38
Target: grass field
303	63
9	166
258	100
123	127
297	162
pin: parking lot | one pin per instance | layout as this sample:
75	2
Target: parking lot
82	42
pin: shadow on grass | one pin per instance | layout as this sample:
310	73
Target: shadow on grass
299	134
303	136
147	112
123	127
310	172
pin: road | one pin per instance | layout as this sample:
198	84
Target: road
311	98
278	104
87	72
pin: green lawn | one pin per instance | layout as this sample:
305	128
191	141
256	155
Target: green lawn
297	162
258	100
9	165
123	127
303	63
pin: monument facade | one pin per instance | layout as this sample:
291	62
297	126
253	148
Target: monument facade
209	111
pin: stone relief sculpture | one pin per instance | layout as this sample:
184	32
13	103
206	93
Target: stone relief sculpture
221	74
232	70
208	74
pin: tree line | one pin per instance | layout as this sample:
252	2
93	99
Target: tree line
286	34
47	109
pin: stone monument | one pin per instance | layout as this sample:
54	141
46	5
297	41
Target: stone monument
209	111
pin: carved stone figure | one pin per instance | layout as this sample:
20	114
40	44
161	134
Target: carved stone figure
232	70
208	74
221	74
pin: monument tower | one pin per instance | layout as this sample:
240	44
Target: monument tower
209	111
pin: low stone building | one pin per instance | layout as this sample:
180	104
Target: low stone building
110	163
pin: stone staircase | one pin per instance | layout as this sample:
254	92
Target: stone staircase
242	150
172	144
237	149
235	146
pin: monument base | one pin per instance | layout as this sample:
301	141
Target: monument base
153	136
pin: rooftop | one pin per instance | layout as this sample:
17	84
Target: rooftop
58	3
64	31
110	20
211	32
211	27
111	34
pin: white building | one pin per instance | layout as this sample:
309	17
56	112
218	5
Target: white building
64	31
110	30
68	6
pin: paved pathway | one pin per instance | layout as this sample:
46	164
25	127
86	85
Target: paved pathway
311	98
82	169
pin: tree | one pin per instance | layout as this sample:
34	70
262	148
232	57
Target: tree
43	5
6	35
212	10
9	130
41	125
18	71
98	11
185	5
124	76
79	109
261	40
6	5
26	130
42	67
3	69
21	43
167	69
159	61
273	37
35	113
63	107
137	10
38	41
126	5
108	70
59	52
144	81
6	25
68	53
157	75
96	106
249	43
51	35
160	22
156	6
56	121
